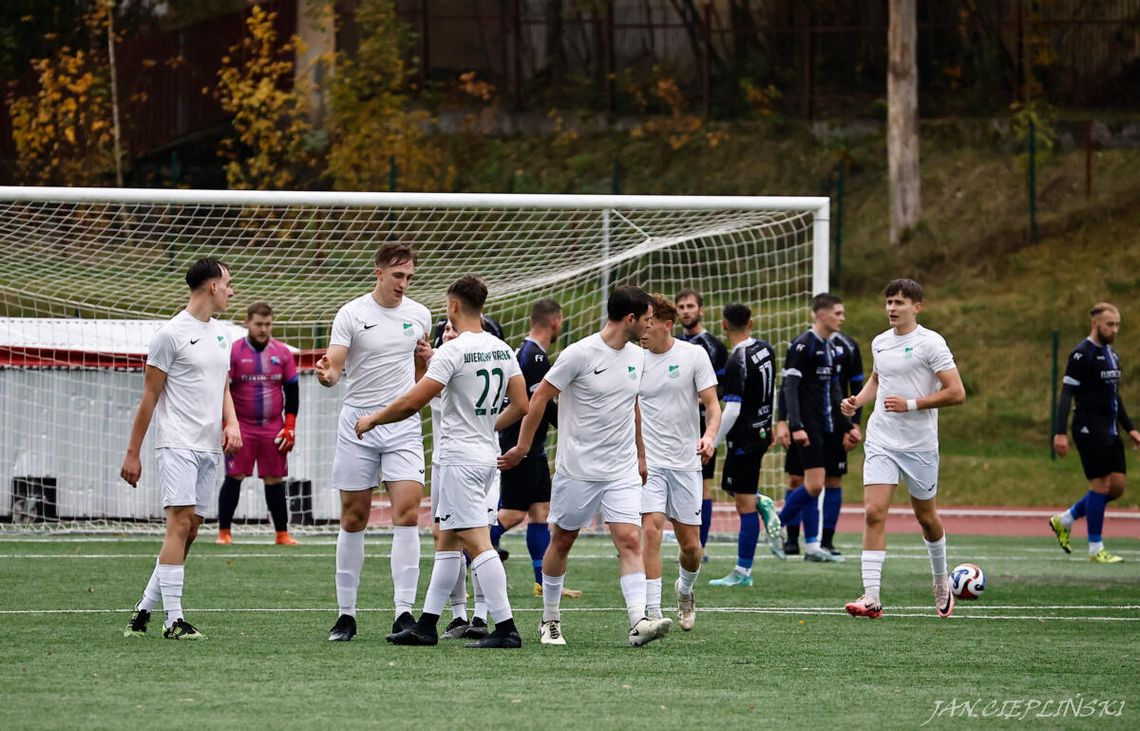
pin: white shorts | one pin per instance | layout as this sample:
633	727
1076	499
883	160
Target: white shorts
884	467
388	453
188	477
677	493
492	494
573	503
465	492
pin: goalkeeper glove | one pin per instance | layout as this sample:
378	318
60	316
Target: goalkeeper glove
287	437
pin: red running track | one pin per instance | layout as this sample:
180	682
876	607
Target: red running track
963	521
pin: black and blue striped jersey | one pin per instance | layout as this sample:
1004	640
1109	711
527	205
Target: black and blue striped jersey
1092	378
810	391
534	364
750	379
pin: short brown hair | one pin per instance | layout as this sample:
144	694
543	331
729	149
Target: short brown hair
470	291
688	292
825	301
544	311
663	309
908	288
392	254
1102	307
258	308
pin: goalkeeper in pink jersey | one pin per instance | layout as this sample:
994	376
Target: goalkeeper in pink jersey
263	380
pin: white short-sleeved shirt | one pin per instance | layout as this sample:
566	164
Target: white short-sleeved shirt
381	341
597	438
670	420
195	356
475	369
907	366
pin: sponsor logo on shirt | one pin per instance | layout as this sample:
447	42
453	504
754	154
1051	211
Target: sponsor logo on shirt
674	371
632	373
408	331
274	360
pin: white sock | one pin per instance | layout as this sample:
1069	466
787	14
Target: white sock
653	596
459	593
493	579
170	577
480	611
152	594
552	596
349	563
405	566
937	551
688	580
742	570
873	573
633	589
1067	518
442	583
1095	547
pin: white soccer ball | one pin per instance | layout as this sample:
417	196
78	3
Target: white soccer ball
967	581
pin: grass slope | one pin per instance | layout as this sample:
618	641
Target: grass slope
1050	627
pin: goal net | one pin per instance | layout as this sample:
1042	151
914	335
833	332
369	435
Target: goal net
88	275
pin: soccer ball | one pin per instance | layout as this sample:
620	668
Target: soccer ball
967	581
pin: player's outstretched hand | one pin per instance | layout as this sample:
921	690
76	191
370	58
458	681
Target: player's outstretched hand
323	370
847	406
510	459
1060	444
364	425
706	448
800	437
783	436
131	470
231	439
1135	438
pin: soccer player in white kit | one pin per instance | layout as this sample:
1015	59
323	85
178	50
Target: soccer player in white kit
187	392
913	376
678	375
378	344
601	459
478	371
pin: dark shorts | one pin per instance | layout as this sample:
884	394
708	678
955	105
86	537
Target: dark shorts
824	450
1101	454
709	468
525	485
742	469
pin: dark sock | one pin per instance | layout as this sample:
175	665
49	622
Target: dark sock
827	538
505	627
228	501
794	533
706	520
792	526
746	539
832	503
428	622
1095	504
537	541
497	532
275	500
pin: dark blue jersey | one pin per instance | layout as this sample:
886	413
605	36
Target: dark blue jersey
534	364
848	368
811	393
718	354
750	379
1092	379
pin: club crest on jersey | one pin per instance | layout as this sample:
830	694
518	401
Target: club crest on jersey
632	373
221	341
408	331
274	360
908	351
674	371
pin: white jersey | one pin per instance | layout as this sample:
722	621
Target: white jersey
436	406
906	366
381	341
670	421
475	368
195	356
597	438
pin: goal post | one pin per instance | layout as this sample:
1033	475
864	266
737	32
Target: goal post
88	274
